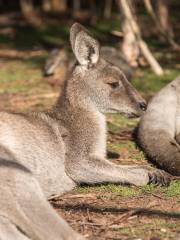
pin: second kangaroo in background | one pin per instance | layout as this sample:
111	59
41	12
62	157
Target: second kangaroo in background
60	62
159	128
47	153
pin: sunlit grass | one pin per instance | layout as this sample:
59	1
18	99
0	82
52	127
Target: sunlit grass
148	83
156	228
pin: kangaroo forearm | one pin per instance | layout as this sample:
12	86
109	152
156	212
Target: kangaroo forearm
93	171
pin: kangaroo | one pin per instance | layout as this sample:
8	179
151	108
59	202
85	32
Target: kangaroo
46	153
159	128
57	67
59	63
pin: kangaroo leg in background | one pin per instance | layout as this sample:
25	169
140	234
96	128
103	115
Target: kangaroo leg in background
25	210
102	171
177	131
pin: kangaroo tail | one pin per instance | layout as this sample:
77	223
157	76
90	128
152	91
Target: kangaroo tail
161	149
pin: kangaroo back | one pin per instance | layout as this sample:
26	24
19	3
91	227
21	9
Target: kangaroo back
158	129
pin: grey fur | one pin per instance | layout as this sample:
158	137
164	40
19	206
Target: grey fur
159	128
52	152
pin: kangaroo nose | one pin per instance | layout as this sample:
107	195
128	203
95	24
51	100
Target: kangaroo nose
143	106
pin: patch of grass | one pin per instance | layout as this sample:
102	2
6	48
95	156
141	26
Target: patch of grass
114	147
116	123
121	146
149	189
123	191
36	62
129	191
173	189
17	77
148	83
139	156
158	228
128	150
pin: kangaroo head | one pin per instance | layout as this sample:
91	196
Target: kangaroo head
98	81
57	58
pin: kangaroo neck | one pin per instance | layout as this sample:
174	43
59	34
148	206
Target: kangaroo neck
86	127
73	105
73	113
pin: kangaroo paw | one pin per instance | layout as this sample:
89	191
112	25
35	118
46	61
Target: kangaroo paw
159	177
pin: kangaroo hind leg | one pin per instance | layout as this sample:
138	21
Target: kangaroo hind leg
8	231
24	204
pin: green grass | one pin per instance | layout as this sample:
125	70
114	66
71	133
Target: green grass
116	123
123	191
173	190
18	77
148	83
37	62
158	228
23	75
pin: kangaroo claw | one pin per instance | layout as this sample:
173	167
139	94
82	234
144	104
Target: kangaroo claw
159	177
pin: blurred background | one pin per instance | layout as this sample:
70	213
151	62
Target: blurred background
140	36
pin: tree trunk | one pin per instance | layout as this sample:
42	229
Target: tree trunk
129	47
26	7
59	6
133	39
46	5
29	12
107	9
163	16
76	6
93	10
162	22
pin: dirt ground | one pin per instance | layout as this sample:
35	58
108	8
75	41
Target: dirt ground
111	216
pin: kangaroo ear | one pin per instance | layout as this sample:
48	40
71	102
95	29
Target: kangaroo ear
85	48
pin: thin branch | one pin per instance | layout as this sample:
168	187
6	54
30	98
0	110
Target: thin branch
161	30
126	9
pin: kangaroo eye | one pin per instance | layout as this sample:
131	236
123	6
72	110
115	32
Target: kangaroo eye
114	84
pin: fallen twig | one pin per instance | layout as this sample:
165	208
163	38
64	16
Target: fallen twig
124	217
57	197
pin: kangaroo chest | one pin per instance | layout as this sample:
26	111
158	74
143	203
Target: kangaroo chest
87	137
100	141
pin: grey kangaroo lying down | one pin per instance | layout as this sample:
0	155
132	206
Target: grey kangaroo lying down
52	152
159	128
